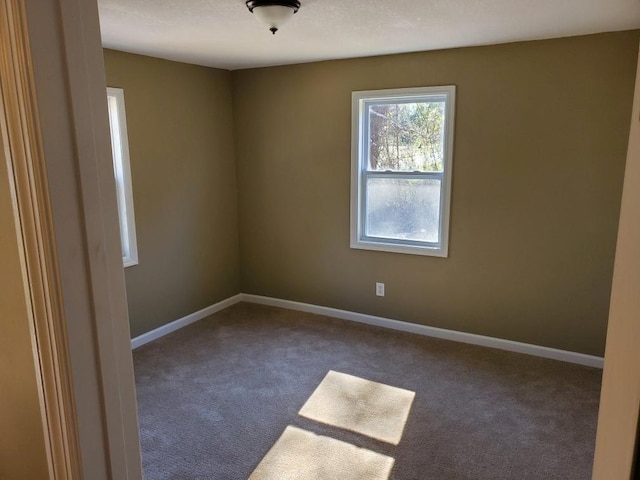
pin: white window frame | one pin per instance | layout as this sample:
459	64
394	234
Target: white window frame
122	173
360	172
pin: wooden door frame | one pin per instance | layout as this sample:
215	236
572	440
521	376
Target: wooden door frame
55	131
32	211
620	397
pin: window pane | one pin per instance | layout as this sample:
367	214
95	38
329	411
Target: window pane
122	175
116	149
404	209
406	136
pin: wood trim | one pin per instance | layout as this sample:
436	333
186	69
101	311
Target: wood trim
452	335
170	327
84	61
24	155
620	397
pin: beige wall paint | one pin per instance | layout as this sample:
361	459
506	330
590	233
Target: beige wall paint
620	401
540	141
179	121
22	447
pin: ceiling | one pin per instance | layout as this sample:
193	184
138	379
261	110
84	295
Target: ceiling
223	34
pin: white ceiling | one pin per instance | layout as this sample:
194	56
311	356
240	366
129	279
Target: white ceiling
222	33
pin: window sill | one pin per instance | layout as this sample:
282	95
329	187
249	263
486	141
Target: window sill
130	262
396	248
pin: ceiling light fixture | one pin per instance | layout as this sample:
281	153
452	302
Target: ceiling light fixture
273	13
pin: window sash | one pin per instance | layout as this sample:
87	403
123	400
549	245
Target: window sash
365	113
364	207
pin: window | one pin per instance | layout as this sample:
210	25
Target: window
122	171
402	144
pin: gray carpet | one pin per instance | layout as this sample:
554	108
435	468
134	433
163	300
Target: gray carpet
214	397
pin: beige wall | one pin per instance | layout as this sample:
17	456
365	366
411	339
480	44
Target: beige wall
540	140
179	122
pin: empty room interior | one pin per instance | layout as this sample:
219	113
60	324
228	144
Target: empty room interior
377	243
360	240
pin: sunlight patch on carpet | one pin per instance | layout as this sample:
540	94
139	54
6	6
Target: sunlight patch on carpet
362	406
299	454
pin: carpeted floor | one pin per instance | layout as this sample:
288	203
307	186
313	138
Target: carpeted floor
214	397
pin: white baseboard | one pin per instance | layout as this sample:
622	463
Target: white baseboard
184	321
511	346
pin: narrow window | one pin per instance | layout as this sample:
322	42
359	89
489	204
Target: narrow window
402	142
122	172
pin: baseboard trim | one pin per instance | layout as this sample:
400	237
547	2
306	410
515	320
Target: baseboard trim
184	321
453	335
456	336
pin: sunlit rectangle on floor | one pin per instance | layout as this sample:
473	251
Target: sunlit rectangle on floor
299	454
370	408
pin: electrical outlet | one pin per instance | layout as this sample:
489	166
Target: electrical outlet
380	289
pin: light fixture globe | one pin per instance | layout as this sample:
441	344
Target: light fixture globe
273	13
